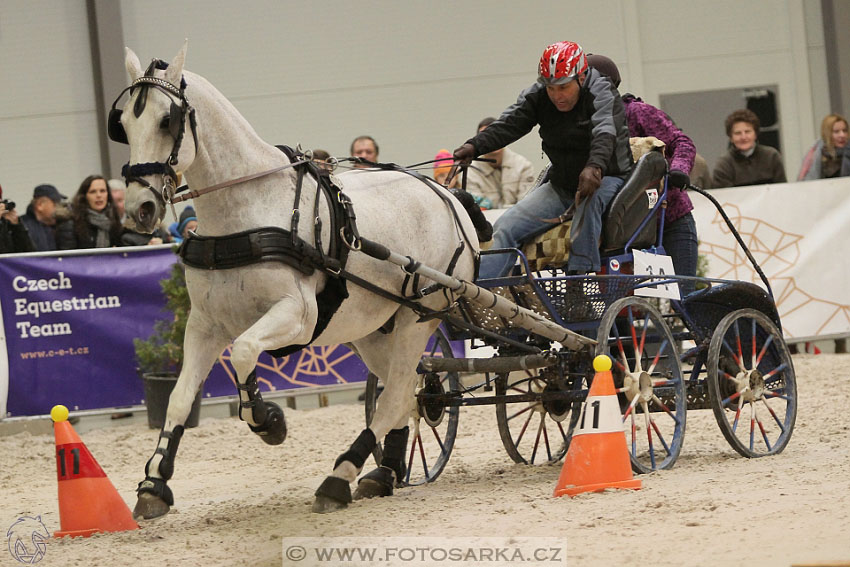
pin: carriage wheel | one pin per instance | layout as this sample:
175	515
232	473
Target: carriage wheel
648	378
532	432
750	375
432	429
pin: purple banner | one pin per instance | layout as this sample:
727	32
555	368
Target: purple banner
70	320
69	323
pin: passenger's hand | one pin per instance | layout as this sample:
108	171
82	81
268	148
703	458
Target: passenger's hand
678	178
589	181
465	153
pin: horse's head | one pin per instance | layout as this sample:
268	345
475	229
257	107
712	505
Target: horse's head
153	122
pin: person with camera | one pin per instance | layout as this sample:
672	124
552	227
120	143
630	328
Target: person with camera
13	234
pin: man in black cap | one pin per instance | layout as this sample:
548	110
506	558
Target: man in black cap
40	219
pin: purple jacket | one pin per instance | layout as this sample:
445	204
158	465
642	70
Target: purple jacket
646	120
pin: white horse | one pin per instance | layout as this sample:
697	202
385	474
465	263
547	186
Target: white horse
271	304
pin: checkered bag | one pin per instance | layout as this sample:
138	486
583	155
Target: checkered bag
552	248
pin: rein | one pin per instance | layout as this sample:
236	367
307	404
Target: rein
194	194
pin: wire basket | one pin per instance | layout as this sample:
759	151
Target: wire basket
585	298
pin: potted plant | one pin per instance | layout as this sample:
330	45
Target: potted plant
160	356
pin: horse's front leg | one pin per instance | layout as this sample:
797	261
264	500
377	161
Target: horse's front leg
290	321
406	344
201	350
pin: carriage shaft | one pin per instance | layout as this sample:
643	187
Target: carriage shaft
517	315
497	364
453	400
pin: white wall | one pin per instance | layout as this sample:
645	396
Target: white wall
48	130
418	76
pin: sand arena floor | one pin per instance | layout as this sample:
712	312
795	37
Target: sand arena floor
236	497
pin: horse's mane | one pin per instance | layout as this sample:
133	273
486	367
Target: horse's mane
201	92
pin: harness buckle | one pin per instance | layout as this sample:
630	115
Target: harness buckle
355	243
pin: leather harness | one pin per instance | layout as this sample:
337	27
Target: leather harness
274	244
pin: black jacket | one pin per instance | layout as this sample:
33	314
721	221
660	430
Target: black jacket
594	132
42	235
67	238
14	238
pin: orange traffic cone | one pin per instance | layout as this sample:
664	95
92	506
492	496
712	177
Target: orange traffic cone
598	457
88	502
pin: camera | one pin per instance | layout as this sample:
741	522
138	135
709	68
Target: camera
10	205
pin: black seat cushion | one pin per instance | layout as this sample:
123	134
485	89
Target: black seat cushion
633	204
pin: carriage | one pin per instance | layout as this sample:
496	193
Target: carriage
719	347
261	277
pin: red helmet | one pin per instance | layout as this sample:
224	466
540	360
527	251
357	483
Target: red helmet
561	63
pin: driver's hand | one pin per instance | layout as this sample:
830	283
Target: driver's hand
589	181
465	153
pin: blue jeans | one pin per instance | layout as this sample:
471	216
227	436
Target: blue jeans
525	220
680	242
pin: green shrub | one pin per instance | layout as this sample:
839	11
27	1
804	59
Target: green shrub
163	350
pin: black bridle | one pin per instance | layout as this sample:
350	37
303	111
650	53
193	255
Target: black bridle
177	127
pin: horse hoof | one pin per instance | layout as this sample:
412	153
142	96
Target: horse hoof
325	505
375	484
149	506
273	429
368	488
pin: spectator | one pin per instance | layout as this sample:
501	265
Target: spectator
584	134
829	156
42	215
747	162
13	234
133	238
442	167
321	157
504	182
187	222
119	191
94	220
680	232
364	147
700	174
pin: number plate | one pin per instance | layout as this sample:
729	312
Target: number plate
656	265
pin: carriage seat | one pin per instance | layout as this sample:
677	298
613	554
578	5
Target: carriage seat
624	214
630	206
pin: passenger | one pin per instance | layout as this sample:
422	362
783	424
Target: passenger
94	220
680	232
829	156
747	162
584	133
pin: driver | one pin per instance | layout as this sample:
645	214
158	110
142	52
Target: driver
584	133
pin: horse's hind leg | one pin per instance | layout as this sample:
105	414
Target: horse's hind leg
406	344
282	325
201	348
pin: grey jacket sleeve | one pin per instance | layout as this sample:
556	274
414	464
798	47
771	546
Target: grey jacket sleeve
603	121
